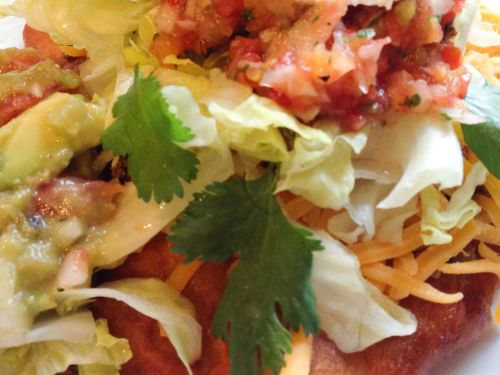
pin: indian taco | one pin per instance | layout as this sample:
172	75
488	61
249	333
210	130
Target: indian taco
243	187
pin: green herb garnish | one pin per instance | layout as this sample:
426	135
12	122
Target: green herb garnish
146	132
274	269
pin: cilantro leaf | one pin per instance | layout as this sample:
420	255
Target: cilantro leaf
274	269
483	99
145	131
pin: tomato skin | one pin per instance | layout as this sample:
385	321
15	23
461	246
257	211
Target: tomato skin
447	18
18	59
452	56
44	45
229	8
246	50
13	106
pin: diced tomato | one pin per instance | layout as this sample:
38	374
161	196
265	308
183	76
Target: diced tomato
18	59
272	94
43	44
165	44
90	201
184	28
229	8
447	18
452	56
176	2
13	106
245	49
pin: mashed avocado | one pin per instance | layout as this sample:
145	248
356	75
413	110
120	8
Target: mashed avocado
35	147
35	80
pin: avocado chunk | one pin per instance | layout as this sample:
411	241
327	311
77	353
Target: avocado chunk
40	143
37	79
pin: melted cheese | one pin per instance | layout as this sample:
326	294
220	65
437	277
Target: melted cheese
298	362
181	275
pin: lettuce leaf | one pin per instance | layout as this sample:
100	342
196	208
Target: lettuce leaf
153	298
320	168
415	150
363	220
77	328
55	356
354	314
98	26
136	221
183	105
460	210
252	128
463	22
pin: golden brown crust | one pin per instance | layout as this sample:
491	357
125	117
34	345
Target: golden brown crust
442	331
152	353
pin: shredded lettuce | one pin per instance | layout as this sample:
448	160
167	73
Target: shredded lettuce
136	221
344	228
320	168
463	22
155	299
353	313
460	210
183	105
101	27
252	128
54	356
77	328
416	150
383	224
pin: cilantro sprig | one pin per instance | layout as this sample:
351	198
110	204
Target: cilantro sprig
483	99
146	132
274	269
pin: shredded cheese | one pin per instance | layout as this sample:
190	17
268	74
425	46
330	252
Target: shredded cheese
408	263
489	205
298	362
436	256
178	280
380	286
470	267
376	251
72	51
298	207
489	234
493	186
488	253
181	275
396	278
